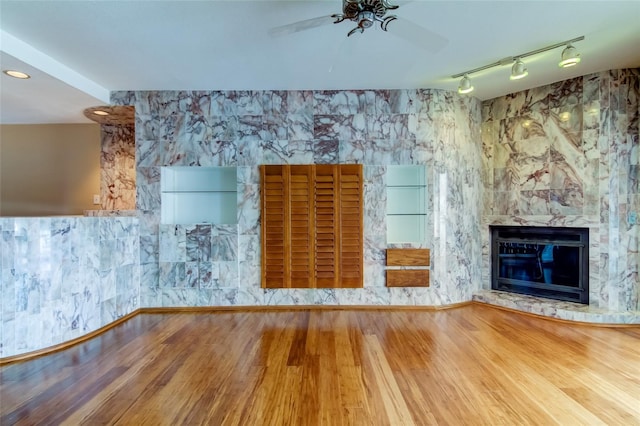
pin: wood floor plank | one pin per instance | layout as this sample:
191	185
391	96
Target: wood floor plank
588	386
330	397
466	366
310	391
394	403
52	372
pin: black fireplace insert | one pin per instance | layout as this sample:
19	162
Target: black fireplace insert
541	261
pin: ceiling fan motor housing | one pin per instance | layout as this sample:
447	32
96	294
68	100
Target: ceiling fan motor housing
365	13
355	10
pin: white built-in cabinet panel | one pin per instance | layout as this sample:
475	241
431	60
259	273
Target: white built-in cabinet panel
406	204
199	195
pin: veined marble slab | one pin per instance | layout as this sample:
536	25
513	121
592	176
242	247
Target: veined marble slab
187	265
65	277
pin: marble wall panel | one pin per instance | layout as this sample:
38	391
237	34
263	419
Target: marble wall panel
64	277
375	128
118	167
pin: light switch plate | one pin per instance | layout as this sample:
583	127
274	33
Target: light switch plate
96	199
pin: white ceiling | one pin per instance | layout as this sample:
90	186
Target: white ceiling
79	51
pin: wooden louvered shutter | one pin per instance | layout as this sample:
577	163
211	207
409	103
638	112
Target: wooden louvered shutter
351	225
327	226
301	209
312	226
274	233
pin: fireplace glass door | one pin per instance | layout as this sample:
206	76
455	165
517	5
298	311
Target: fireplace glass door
546	262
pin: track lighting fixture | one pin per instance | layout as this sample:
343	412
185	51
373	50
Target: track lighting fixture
570	57
518	70
465	85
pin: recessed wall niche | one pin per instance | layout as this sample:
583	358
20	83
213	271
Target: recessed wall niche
199	195
406	204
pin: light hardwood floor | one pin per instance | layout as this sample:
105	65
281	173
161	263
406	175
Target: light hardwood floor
471	365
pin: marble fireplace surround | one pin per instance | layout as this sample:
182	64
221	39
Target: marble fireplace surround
566	155
576	169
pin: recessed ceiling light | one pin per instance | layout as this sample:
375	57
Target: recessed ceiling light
100	112
16	74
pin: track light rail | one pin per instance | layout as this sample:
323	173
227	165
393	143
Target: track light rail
509	59
570	57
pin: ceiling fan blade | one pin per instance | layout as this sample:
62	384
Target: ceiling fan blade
417	35
295	27
344	51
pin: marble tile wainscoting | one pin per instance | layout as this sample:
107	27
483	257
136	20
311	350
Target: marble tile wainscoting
567	154
64	277
195	265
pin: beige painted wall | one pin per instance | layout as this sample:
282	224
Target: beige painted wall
49	169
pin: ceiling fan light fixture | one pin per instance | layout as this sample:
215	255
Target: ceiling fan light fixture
367	19
570	57
465	85
518	70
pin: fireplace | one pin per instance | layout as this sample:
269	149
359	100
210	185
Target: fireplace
541	261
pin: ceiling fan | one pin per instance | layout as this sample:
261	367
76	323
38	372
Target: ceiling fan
365	13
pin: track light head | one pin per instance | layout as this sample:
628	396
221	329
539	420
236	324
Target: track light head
518	70
570	56
465	85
